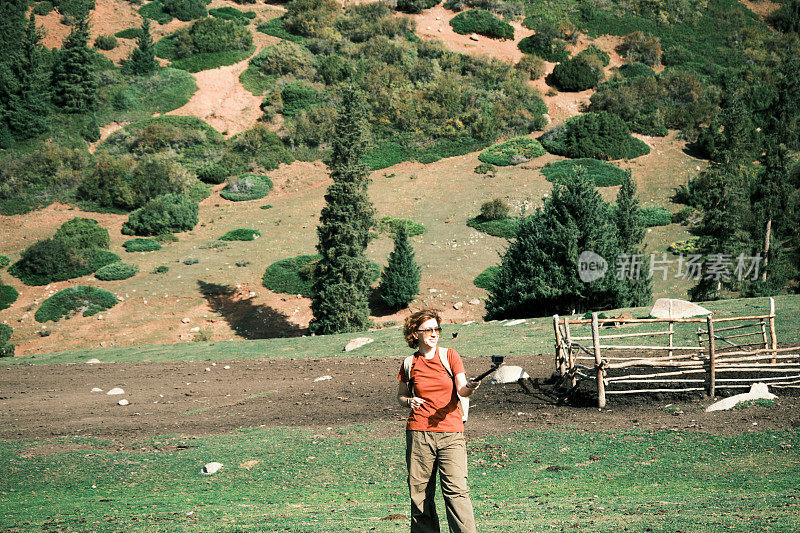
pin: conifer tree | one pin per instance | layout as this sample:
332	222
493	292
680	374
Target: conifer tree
74	79
30	107
340	288
400	279
637	284
12	26
142	60
539	271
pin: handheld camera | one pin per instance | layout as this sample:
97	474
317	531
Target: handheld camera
497	360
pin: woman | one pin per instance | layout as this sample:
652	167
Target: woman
435	429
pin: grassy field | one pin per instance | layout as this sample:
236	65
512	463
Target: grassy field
349	479
474	340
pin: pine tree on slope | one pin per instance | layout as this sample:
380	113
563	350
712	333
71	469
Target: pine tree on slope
74	79
400	279
142	60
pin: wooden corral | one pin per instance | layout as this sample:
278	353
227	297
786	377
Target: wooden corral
674	354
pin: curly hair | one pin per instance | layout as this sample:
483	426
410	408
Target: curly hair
413	322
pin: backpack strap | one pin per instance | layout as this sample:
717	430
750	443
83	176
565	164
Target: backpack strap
463	402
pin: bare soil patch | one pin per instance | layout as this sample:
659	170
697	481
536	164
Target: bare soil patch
196	399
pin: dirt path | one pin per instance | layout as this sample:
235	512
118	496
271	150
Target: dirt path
203	398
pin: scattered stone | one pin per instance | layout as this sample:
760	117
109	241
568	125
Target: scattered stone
99	317
468	322
115	392
758	391
208	369
473	36
97	389
92	361
186	320
227	367
357	343
508	374
210	468
123	402
323	378
515	322
674	308
195	329
474	301
458	305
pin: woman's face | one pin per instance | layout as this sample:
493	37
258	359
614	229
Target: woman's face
428	334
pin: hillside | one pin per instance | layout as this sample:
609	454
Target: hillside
218	289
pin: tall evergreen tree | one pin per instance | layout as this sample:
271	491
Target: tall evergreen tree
142	60
400	279
340	288
12	27
539	274
637	285
74	77
30	106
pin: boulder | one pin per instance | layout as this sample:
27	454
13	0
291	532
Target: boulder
458	305
115	391
210	468
92	361
508	374
357	343
515	322
473	37
758	391
123	402
674	308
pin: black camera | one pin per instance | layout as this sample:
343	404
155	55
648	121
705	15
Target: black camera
497	360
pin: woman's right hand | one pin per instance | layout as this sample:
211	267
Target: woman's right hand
415	402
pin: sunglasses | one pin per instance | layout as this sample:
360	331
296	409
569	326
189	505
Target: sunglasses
429	331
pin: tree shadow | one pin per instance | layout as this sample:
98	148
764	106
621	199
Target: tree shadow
694	150
248	320
377	307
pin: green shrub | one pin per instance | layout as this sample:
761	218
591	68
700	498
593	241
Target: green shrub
415	6
636	70
512	152
640	47
185	10
484	168
129	33
105	42
258	146
298	96
42	8
155	11
532	65
213	172
686	215
52	260
545	44
6	349
117	271
509	10
389	226
277	28
595	135
481	22
688	246
217	35
83	233
141	245
575	75
8	295
212	60
161	269
504	227
168	213
295	275
602	173
486	279
285	58
787	17
241	235
191	261
247	187
4	261
311	18
594	54
231	13
82	299
655	216
496	209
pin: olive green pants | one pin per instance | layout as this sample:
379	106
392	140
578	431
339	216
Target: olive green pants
429	452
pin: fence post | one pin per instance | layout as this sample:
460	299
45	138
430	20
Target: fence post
671	334
598	363
559	347
772	334
712	365
570	357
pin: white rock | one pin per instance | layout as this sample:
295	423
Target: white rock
323	378
474	301
458	305
473	37
97	389
186	320
92	361
123	402
515	322
674	308
508	374
357	343
115	391
758	391
195	329
468	322
210	468
227	367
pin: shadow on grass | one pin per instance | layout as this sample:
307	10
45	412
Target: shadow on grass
248	320
696	151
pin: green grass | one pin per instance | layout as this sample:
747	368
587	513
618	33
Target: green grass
389	226
155	11
485	280
139	98
604	174
480	338
512	152
254	81
212	60
503	227
347	479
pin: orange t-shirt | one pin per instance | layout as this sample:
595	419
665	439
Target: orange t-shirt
432	383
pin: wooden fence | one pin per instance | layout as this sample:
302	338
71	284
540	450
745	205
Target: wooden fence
668	355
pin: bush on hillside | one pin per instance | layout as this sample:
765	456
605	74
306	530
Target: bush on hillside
155	11
602	173
105	42
257	147
42	8
247	187
168	213
295	275
641	47
4	261
52	260
486	279
241	235
8	295
594	54
6	349
141	245
655	216
213	172
503	227
83	233
129	33
231	13
481	22
298	96
82	299
185	10
509	10
116	271
415	6
595	135
312	18
532	65
484	168
575	75
213	35
636	70
496	209
787	17
512	152
285	58
545	44
390	225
